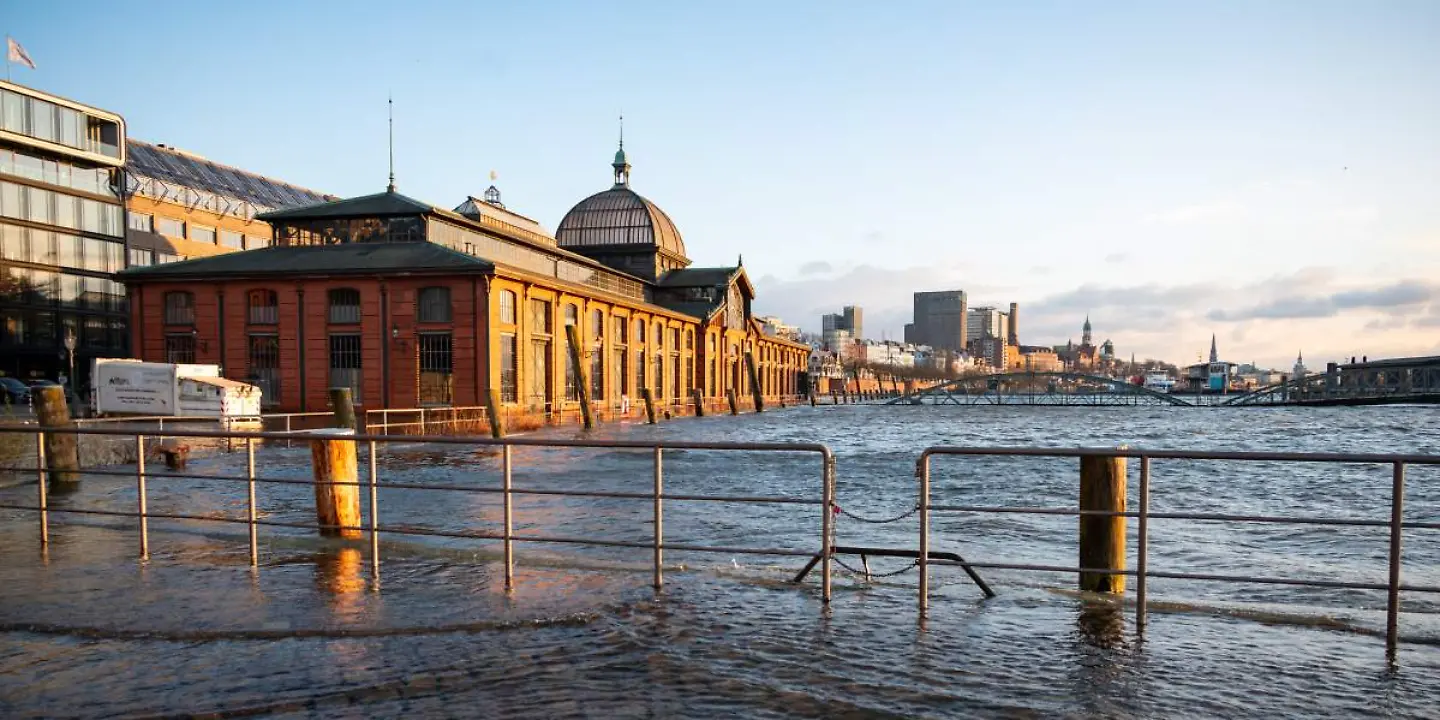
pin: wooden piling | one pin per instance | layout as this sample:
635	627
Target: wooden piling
1102	538
492	411
734	403
649	398
577	356
342	401
754	381
62	452
699	403
332	458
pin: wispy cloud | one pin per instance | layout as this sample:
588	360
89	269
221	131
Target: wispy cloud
1401	295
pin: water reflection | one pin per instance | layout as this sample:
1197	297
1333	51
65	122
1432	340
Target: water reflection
339	577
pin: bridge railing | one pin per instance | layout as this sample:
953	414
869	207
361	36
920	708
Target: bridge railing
656	495
1142	572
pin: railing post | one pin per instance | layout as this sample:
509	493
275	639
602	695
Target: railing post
508	532
250	501
43	475
827	523
287	429
140	496
659	518
924	554
374	517
1142	538
1392	603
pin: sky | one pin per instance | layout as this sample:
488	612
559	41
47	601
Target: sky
1264	172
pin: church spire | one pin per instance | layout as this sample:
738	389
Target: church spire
1085	332
1214	353
621	164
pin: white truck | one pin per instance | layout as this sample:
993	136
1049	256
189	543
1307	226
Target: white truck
132	387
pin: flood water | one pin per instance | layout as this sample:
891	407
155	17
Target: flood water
87	629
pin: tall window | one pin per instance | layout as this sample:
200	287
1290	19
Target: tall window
179	308
509	369
507	307
264	356
572	371
538	393
437	369
597	355
264	307
345	364
434	305
344	306
180	348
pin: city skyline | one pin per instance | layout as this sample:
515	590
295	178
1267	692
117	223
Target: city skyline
1173	172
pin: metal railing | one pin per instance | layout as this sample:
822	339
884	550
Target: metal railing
657	495
1393	586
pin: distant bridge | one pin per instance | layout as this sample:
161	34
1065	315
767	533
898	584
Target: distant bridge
1038	388
1379	382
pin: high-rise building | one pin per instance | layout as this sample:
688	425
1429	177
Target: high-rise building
940	320
62	235
986	322
854	321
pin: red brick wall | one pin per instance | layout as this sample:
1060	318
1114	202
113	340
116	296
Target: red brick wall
309	299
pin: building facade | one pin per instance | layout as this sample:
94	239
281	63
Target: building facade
414	305
940	320
61	235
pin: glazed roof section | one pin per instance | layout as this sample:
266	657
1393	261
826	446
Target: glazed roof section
180	168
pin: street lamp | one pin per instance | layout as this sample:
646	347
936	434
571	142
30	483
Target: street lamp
70	350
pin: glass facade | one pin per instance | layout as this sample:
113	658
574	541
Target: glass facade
61	241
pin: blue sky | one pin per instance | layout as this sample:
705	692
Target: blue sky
1264	171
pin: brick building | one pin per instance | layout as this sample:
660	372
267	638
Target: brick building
414	305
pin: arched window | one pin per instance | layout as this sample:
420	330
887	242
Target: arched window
572	314
344	306
179	308
264	307
433	305
507	307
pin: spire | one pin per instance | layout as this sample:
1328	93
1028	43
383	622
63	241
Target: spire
621	164
740	260
390	105
1085	332
1214	354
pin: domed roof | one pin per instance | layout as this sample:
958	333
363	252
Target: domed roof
619	216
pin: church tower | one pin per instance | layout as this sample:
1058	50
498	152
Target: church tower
1085	333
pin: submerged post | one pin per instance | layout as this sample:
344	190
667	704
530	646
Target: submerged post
492	410
699	403
755	392
577	356
649	398
342	401
62	451
734	403
337	489
1102	537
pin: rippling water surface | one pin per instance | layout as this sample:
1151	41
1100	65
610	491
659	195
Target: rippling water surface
89	630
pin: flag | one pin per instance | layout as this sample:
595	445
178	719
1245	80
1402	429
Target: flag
18	54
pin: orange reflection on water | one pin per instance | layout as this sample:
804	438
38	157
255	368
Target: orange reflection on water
339	573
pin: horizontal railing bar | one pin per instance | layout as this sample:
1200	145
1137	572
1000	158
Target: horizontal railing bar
1187	576
778	500
1359	458
396	530
454	440
1279	519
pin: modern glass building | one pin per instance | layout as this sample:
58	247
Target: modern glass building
62	235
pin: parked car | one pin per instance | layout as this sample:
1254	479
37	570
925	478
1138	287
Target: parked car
14	392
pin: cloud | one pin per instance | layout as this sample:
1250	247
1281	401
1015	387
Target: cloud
818	267
1395	297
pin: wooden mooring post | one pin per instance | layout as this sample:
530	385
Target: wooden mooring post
1102	537
582	381
492	411
699	403
337	492
342	402
734	402
755	393
649	398
62	452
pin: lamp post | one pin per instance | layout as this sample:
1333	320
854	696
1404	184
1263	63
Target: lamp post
70	351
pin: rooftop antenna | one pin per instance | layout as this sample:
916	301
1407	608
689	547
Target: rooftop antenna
390	103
